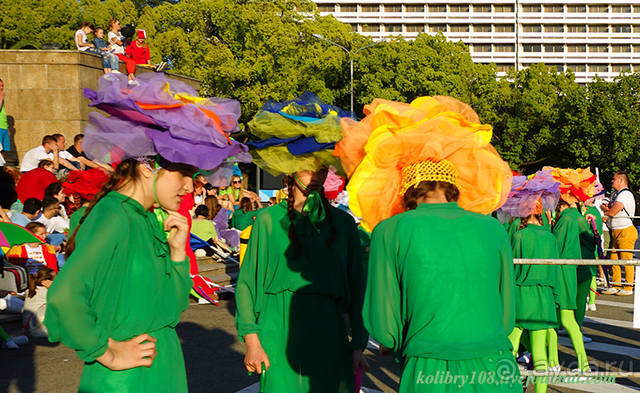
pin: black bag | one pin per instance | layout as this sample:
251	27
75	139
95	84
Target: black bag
13	278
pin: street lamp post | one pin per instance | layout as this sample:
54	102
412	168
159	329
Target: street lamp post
350	54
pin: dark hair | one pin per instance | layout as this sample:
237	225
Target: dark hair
214	206
87	24
52	190
624	175
32	206
78	138
49	201
45	162
112	22
202	210
57	136
47	139
33	225
246	205
43	273
527	220
97	29
422	189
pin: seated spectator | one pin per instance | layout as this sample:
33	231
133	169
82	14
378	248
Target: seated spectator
82	43
202	227
272	201
220	217
35	303
55	191
30	212
50	217
32	255
77	152
100	44
236	191
116	39
8	194
32	184
65	158
243	217
47	151
138	50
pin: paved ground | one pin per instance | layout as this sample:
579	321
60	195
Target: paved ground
213	355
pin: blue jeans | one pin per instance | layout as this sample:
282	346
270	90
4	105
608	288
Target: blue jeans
109	60
4	139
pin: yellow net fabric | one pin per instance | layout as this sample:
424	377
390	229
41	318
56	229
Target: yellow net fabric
428	170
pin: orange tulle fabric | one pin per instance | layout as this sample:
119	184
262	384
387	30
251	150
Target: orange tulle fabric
575	184
394	135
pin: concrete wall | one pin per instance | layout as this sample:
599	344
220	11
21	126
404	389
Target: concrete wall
43	93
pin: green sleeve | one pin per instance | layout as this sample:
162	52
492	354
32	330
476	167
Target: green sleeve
235	219
382	301
568	236
507	286
250	285
357	282
70	317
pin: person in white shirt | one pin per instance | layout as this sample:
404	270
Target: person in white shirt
47	151
51	218
66	159
623	233
84	45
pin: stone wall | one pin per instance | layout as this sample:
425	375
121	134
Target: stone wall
43	93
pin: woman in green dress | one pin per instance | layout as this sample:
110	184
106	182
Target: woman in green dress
244	216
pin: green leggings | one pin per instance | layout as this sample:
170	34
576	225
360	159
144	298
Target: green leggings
568	321
592	291
538	351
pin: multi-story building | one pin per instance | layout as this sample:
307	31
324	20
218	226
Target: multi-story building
587	36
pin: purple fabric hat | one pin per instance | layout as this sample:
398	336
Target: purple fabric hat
166	117
525	192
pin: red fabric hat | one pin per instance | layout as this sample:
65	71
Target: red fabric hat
86	183
141	34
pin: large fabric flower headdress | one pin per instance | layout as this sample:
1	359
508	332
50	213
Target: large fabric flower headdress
575	184
532	195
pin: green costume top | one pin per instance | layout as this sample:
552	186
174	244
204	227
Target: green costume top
120	282
241	220
512	226
204	229
567	233
74	220
409	305
295	300
3	117
587	236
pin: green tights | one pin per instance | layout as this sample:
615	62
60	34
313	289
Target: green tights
592	290
538	351
568	321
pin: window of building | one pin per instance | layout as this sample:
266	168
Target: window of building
415	28
620	48
532	48
577	67
414	8
621	9
503	8
504	28
504	67
437	28
636	28
371	28
458	28
393	28
554	48
554	28
482	8
348	8
636	9
595	48
326	7
501	48
354	28
482	28
532	8
576	28
437	8
576	8
392	8
620	68
636	48
598	67
600	8
369	8
458	8
621	28
532	28
636	68
555	8
576	48
557	67
484	48
598	29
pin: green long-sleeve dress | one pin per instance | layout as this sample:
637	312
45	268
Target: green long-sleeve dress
589	250
567	233
295	302
241	220
535	301
440	295
120	282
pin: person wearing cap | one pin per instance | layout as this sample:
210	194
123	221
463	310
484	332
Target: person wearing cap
138	51
126	280
423	183
302	270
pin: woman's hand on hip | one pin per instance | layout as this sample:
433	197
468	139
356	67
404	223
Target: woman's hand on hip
178	228
359	361
255	354
123	355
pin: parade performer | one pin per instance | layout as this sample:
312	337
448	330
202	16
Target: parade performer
302	270
126	281
424	175
535	301
575	185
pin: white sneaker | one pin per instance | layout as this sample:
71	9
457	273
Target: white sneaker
525	358
586	339
133	82
3	304
591	307
610	291
116	72
21	340
624	292
555	369
9	344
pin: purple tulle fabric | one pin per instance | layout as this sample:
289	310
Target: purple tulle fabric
181	133
231	236
526	191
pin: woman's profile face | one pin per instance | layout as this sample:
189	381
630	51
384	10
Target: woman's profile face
171	186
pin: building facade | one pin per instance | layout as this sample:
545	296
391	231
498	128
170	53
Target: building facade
587	36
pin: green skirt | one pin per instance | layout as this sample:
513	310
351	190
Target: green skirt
535	307
497	373
566	287
305	338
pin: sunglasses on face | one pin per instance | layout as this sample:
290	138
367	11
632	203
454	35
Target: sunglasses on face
237	181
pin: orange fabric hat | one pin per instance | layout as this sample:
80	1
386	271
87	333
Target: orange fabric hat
395	135
575	184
